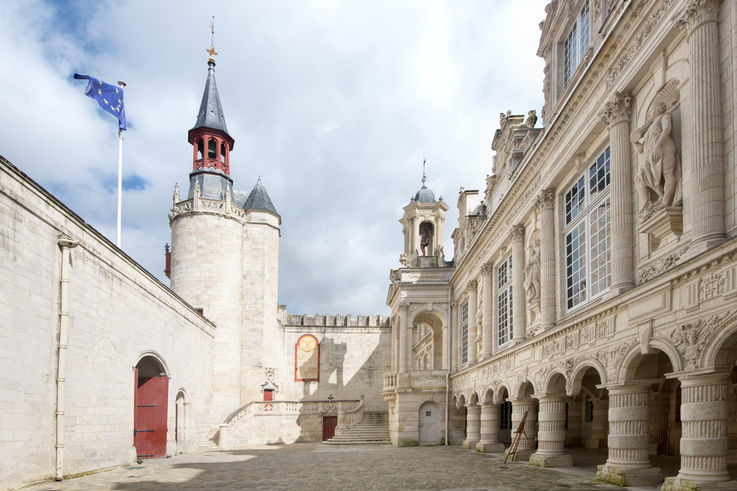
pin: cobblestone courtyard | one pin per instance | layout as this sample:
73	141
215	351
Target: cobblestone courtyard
316	466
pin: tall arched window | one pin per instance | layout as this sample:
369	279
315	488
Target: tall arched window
200	149
222	153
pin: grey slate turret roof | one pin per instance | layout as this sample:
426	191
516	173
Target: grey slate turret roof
425	195
211	112
259	199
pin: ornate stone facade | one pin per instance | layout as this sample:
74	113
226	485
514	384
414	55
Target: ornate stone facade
627	253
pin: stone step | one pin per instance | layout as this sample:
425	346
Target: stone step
374	429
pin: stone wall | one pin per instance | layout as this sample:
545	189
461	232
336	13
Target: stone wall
117	313
354	355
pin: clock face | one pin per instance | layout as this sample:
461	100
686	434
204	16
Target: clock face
307	343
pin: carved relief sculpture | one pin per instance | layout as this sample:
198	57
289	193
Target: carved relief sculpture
659	169
532	272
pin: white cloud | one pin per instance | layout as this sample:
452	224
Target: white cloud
334	103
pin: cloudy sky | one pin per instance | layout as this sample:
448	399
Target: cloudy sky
334	103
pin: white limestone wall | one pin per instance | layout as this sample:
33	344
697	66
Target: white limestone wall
117	312
206	251
262	340
353	360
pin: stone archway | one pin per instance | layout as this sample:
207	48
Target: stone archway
150	408
428	341
635	414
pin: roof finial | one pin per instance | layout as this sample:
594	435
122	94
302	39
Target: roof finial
212	51
423	172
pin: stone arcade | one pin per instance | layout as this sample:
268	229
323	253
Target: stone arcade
593	288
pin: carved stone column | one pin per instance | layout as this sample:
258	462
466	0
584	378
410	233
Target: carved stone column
489	441
472	334
551	433
404	340
545	207
411	335
616	116
704	442
395	344
454	329
487	322
700	20
473	426
519	407
629	414
519	314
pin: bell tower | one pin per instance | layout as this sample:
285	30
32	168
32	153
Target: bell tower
422	223
207	243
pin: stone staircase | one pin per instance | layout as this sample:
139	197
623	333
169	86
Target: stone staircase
374	429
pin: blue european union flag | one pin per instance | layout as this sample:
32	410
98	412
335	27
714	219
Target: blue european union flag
109	97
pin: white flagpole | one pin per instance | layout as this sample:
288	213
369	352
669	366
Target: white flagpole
121	84
120	178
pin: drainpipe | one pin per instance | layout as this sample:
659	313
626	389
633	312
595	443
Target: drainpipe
65	243
448	361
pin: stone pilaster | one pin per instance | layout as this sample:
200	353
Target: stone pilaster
545	207
700	21
473	426
404	340
472	333
629	415
453	334
519	407
551	433
616	116
519	307
395	344
487	322
704	437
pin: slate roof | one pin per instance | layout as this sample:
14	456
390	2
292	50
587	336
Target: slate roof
425	195
211	111
259	199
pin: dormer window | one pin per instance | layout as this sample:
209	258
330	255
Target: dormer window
576	44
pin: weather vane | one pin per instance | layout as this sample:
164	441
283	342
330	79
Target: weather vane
212	41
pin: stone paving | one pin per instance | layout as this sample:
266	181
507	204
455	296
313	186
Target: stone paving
307	466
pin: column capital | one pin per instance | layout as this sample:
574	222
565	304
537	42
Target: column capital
517	232
487	269
698	379
471	284
698	13
404	306
617	110
545	199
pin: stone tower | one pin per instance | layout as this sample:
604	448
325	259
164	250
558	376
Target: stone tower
422	224
224	257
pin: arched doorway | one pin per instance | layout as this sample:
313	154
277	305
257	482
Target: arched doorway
150	408
428	422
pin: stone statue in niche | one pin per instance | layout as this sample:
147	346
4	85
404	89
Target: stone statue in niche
532	272
425	237
658	176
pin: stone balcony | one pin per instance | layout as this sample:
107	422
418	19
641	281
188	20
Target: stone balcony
422	380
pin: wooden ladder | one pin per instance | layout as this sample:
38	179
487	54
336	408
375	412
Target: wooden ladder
517	437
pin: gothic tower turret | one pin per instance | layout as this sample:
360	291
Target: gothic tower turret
225	258
207	243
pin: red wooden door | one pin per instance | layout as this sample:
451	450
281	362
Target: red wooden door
149	418
328	426
268	394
